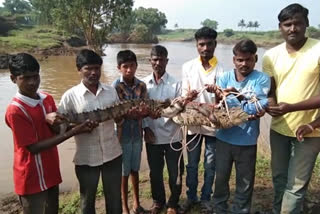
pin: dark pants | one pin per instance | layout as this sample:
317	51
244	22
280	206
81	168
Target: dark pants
88	178
156	155
45	202
244	158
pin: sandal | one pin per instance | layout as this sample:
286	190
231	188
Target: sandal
140	210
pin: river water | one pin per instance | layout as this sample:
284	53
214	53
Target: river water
59	73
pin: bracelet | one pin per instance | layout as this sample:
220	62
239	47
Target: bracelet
310	127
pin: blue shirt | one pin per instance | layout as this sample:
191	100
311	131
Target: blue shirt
131	129
255	84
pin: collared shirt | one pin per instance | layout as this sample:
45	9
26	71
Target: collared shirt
194	77
164	129
255	84
130	129
33	173
101	145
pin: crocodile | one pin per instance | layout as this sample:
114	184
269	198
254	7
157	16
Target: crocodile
197	114
181	112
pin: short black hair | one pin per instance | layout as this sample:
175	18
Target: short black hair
292	9
245	46
87	57
159	50
126	56
204	33
22	63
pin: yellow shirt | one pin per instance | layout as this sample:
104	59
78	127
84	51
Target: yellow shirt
297	79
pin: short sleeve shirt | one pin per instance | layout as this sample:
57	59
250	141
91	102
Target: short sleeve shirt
101	145
297	78
131	129
33	173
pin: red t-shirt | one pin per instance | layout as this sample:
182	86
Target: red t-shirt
26	118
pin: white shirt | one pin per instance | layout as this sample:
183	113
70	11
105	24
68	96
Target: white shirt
194	77
164	129
101	145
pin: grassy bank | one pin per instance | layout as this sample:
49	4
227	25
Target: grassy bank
262	198
265	39
261	38
28	39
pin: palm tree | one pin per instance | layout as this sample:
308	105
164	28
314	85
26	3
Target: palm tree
250	24
241	24
256	25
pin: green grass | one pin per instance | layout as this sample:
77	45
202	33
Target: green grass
43	37
177	35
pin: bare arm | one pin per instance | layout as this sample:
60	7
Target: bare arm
40	146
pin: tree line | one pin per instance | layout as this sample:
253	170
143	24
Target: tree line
92	20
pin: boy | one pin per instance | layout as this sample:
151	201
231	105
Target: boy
98	152
239	144
36	162
130	132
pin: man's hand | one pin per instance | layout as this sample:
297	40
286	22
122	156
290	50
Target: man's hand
258	115
85	127
54	118
279	109
303	130
138	112
149	136
212	88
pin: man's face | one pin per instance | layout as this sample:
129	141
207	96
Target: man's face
244	63
28	83
159	64
206	47
90	74
293	30
128	70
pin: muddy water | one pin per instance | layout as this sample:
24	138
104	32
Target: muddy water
59	73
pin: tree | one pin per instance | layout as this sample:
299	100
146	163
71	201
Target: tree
319	26
17	6
242	24
250	24
210	23
255	25
94	19
228	32
43	10
152	18
176	26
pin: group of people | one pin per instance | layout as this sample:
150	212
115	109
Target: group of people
287	87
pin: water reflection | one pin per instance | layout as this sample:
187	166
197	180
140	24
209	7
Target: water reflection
59	73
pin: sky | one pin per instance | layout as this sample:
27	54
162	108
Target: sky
190	13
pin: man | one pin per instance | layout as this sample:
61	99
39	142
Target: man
294	70
160	133
100	151
202	70
238	144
